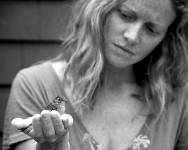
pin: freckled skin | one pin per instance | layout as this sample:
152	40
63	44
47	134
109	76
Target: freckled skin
134	35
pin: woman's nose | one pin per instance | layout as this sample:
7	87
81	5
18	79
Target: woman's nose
132	33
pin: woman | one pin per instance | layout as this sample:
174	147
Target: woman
125	82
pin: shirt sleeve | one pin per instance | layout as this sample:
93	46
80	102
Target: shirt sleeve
182	143
23	102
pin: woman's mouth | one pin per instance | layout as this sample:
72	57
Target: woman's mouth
124	49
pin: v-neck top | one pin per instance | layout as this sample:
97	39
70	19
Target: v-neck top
35	87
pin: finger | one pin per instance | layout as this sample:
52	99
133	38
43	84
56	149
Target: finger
47	126
20	123
24	125
57	123
67	120
37	133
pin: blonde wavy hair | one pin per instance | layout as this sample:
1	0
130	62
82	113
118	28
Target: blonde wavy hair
162	73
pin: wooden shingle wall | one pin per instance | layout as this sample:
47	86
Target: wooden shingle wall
30	30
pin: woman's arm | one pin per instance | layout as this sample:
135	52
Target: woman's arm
31	92
26	145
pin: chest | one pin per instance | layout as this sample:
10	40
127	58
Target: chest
116	124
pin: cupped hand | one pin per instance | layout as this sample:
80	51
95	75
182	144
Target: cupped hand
49	129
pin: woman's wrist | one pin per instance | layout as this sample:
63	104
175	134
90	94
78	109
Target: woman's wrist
53	146
45	146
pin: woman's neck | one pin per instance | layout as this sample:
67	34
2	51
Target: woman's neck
115	78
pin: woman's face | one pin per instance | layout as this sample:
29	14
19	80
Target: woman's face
134	29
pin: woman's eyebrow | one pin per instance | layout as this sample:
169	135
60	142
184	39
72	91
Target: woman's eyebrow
126	9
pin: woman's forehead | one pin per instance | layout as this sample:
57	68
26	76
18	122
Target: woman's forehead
157	10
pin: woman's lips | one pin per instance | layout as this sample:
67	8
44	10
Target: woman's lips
124	49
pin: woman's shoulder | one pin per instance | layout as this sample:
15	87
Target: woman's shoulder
35	70
41	77
39	73
41	68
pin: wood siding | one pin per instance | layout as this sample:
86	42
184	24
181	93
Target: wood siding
30	31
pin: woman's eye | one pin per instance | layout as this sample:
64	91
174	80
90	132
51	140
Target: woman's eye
151	29
126	16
